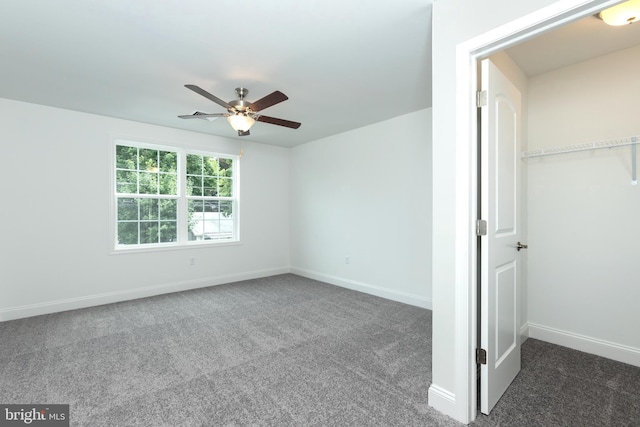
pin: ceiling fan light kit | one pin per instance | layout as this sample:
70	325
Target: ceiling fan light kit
241	122
242	114
621	14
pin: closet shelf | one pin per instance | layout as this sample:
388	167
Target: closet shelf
608	143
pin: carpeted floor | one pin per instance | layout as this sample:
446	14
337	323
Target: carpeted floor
280	351
283	350
561	387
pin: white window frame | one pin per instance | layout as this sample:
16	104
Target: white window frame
182	200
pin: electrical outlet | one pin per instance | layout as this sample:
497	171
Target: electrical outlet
347	260
193	261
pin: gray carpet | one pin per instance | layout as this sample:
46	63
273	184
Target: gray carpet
280	351
561	387
283	350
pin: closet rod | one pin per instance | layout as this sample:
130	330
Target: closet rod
608	143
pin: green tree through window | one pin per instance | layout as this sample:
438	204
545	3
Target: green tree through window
149	198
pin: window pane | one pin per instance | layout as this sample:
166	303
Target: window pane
168	231
126	182
210	186
196	206
189	185
225	187
168	161
226	167
148	209
226	208
128	233
127	210
168	209
211	224
126	157
211	206
149	232
148	160
169	184
226	229
194	185
194	164
215	226
195	227
210	166
148	183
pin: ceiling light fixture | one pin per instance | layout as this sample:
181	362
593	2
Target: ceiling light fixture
242	114
621	14
241	122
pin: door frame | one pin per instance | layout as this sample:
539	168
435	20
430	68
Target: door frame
466	296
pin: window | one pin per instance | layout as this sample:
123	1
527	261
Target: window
167	196
209	197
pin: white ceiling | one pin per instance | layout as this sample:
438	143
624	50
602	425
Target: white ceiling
343	63
576	42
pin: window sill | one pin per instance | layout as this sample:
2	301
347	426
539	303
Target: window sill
176	247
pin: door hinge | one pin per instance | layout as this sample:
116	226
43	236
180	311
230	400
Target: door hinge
481	356
481	98
481	227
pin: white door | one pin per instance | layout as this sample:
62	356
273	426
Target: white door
499	256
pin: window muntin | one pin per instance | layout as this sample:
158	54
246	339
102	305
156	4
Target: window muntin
168	197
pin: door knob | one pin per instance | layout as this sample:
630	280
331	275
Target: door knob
521	246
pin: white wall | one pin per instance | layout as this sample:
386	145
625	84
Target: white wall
583	210
55	214
365	194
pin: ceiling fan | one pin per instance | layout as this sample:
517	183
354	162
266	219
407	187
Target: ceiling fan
242	114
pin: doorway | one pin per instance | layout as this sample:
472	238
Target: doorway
468	55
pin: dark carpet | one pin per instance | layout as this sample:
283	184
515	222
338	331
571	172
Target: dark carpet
561	387
280	351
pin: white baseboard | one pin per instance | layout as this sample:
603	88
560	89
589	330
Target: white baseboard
366	288
442	400
129	294
610	350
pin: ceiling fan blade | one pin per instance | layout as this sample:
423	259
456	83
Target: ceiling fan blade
269	100
279	122
199	115
207	95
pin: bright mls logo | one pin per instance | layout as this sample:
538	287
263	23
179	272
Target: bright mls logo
34	415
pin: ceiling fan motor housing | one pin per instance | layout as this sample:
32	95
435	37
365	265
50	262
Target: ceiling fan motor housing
240	105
